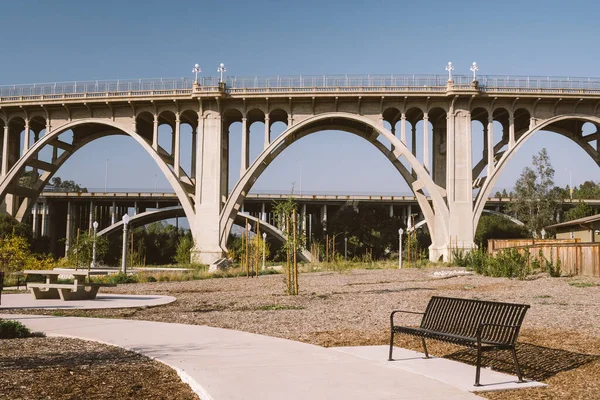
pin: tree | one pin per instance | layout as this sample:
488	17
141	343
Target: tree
497	227
581	210
66	186
534	199
81	249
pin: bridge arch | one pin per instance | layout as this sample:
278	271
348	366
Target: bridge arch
544	125
102	128
354	124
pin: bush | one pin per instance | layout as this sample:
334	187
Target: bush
14	329
508	263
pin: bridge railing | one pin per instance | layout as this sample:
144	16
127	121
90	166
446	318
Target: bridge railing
377	82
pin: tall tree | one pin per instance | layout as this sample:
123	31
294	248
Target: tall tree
534	201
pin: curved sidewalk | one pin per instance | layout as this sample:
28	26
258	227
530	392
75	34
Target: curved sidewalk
224	364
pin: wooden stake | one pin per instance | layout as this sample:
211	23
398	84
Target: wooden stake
295	258
257	247
326	252
247	264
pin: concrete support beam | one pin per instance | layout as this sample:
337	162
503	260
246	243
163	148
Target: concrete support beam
511	132
426	163
193	166
91	217
68	233
177	146
5	151
403	128
245	146
490	147
155	133
267	132
26	137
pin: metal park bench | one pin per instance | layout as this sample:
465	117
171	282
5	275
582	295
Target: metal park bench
482	325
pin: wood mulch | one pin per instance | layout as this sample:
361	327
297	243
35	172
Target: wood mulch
62	368
559	342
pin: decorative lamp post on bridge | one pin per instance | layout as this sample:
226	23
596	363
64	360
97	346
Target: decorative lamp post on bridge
126	219
450	68
474	68
95	226
196	70
400	232
220	70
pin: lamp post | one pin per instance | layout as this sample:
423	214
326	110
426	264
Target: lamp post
126	219
345	248
195	70
264	235
543	232
474	68
221	69
449	68
95	226
400	232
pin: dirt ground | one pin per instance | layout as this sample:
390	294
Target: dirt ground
559	342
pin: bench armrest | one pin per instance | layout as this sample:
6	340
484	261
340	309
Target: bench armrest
404	312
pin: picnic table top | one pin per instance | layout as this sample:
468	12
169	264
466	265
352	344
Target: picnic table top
56	272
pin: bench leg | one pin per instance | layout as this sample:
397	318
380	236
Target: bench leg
391	346
68	294
519	373
478	368
51	293
425	347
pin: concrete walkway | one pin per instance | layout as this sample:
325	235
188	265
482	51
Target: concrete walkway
27	301
224	364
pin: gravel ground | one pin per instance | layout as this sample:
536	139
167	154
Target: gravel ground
560	336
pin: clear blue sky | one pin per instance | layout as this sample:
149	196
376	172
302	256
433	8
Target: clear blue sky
47	41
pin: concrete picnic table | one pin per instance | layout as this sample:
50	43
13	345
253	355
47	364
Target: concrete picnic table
51	289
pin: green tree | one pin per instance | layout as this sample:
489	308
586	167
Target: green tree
183	252
581	210
497	227
81	250
534	201
66	186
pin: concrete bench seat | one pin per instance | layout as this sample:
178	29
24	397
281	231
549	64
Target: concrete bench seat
66	291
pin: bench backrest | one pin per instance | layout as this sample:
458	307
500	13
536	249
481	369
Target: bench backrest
463	316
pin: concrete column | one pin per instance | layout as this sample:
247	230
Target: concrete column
193	166
324	216
155	133
135	208
35	219
393	130
511	132
69	228
414	143
206	224
263	215
36	137
245	147
403	128
426	142
391	211
267	132
303	217
5	151
91	218
44	217
177	146
490	147
26	138
408	213
113	216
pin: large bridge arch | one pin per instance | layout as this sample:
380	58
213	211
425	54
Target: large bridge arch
422	185
103	128
543	125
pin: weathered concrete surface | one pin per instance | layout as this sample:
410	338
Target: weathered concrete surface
26	301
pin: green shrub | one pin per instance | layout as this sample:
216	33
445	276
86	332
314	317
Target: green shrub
150	278
14	329
508	263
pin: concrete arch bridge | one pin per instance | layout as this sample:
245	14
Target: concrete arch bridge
44	124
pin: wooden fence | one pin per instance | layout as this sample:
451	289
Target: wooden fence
497	244
575	258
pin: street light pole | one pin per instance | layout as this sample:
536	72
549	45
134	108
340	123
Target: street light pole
264	235
221	69
195	70
345	248
126	219
95	226
400	232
